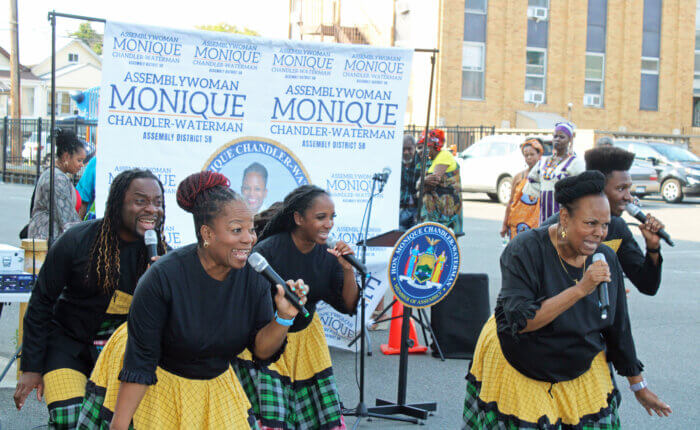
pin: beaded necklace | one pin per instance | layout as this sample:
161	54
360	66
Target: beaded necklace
551	165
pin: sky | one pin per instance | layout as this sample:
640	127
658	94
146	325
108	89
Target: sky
267	17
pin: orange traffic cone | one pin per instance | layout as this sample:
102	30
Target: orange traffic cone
394	346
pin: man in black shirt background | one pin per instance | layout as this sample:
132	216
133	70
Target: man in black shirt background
407	204
644	270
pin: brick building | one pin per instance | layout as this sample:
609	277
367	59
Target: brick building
619	65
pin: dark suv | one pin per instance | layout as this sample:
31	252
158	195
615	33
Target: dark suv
678	169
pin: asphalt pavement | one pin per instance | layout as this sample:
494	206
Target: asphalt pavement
665	328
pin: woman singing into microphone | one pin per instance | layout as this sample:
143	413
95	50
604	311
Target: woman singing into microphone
299	391
193	312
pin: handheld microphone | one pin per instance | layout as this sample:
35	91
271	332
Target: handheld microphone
636	212
603	297
383	176
260	265
150	238
357	264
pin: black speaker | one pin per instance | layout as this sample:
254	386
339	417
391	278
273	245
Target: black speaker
457	319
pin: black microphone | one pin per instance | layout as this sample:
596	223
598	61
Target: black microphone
636	212
260	265
150	238
603	297
357	264
383	176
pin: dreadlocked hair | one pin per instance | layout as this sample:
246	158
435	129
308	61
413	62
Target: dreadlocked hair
203	195
104	263
298	200
607	159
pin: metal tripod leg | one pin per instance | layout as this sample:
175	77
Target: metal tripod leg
14	358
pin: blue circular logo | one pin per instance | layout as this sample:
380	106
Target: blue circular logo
424	265
529	200
261	170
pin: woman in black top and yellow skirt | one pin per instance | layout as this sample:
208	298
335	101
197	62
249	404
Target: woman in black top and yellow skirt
299	391
192	313
541	362
83	294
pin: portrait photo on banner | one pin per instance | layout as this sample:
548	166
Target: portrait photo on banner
261	170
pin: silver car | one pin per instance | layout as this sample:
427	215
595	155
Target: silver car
489	165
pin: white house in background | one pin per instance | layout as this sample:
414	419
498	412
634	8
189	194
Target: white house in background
31	89
78	68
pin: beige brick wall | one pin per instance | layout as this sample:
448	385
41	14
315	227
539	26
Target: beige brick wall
505	66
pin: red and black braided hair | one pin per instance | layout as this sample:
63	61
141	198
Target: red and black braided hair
204	194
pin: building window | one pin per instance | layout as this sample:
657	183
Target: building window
64	104
474	49
475	6
72	58
536	53
595	53
595	73
651	53
473	70
535	75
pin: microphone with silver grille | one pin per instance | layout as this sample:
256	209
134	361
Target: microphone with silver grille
260	265
150	239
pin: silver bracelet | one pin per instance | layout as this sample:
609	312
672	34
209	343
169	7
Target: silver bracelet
639	386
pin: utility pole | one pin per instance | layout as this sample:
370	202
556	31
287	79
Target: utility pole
15	88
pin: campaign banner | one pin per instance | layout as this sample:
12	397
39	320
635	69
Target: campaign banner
269	114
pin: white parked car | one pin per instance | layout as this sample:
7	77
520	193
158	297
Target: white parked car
31	144
489	165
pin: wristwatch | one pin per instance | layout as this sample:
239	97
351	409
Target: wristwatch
639	386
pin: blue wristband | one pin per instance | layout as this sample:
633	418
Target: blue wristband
282	321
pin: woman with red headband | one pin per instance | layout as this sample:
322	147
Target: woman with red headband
522	211
442	199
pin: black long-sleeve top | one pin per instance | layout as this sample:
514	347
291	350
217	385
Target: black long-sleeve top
563	349
639	268
318	268
63	302
191	324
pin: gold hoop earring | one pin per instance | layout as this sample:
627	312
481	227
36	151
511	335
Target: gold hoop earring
205	244
563	234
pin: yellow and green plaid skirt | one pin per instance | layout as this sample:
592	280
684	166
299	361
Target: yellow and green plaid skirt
173	402
67	370
298	391
500	397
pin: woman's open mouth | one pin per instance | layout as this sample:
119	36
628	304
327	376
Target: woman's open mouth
240	254
590	245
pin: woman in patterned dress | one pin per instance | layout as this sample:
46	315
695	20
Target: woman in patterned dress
442	199
549	170
70	152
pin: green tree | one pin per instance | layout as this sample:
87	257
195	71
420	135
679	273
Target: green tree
227	28
89	36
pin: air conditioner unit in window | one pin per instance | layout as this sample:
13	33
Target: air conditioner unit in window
534	96
538	13
592	100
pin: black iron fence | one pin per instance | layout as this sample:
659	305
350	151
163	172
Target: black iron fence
462	137
26	142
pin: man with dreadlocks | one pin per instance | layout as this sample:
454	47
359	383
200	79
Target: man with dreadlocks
83	294
643	270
